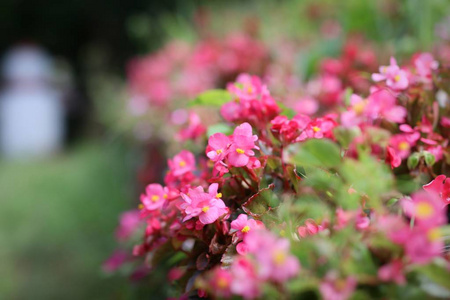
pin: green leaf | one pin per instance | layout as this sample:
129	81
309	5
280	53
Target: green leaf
219	127
368	176
212	98
286	111
437	273
260	203
315	152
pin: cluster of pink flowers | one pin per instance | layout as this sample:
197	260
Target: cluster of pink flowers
180	70
244	216
252	102
267	260
236	150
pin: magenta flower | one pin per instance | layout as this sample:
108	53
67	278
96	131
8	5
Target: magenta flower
243	225
441	186
382	104
218	146
220	281
318	128
155	196
182	163
333	288
208	207
310	228
129	223
400	144
194	128
243	141
356	114
395	77
247	87
245	279
392	271
422	245
272	254
393	158
425	64
426	208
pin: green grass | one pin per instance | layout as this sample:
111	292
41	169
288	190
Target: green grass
57	221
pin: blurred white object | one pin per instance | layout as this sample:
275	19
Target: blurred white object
31	112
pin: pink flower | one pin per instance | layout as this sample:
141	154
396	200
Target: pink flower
426	208
289	130
243	141
208	207
115	261
422	245
220	281
362	221
392	158
182	163
194	130
155	196
392	272
218	146
243	225
129	222
356	114
441	186
396	78
310	228
245	279
272	255
382	104
247	87
318	128
307	106
400	144
333	288
445	122
425	65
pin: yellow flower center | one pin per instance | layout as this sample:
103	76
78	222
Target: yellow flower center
359	107
219	195
222	283
383	69
218	151
403	146
279	257
434	234
165	196
397	78
424	210
249	89
205	209
141	206
240	151
155	198
246	229
182	163
316	129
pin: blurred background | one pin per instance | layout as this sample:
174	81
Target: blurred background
74	155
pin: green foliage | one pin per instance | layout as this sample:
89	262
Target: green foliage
316	153
260	203
219	127
216	97
367	176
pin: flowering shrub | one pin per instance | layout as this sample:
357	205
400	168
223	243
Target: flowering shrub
283	203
